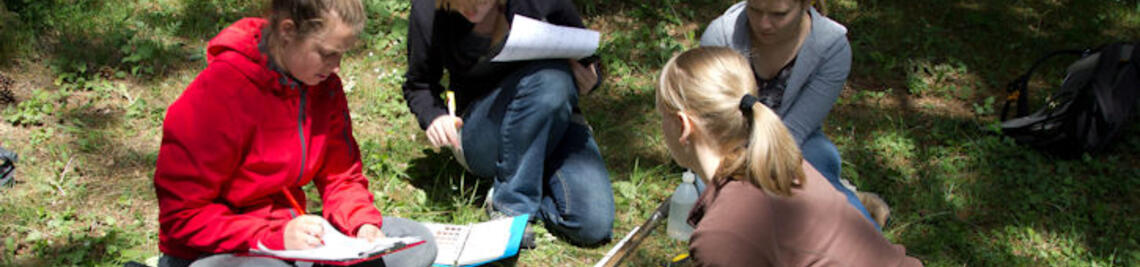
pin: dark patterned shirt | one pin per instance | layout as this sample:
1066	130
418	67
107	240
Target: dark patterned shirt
771	91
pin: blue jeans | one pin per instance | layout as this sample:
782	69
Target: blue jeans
824	156
543	164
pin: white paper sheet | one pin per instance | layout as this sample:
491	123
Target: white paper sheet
533	39
337	247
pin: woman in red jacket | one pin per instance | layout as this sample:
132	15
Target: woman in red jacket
267	116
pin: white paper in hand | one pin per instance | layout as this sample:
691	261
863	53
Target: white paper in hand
338	247
533	39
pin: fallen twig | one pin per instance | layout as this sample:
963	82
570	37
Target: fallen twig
623	248
59	182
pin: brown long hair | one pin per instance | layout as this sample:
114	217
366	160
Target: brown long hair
311	16
709	83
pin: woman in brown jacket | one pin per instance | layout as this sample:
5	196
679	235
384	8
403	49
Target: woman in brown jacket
766	206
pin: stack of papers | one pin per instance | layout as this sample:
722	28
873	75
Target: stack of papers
340	249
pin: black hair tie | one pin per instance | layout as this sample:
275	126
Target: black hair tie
746	103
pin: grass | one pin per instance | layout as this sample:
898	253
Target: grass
93	79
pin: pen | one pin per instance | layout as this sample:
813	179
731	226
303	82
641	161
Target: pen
296	207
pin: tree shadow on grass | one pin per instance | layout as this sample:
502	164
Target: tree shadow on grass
700	11
964	196
202	19
995	40
627	130
89	38
92	38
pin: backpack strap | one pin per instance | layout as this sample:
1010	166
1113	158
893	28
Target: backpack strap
1017	90
1105	76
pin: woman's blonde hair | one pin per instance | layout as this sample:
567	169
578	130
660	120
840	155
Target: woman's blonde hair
709	83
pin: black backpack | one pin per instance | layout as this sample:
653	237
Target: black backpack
1090	109
7	165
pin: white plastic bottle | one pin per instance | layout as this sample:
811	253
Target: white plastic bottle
682	201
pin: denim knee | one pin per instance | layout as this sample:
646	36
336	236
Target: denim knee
596	230
586	217
592	229
548	89
591	220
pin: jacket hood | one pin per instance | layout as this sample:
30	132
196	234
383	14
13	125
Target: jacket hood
241	37
238	46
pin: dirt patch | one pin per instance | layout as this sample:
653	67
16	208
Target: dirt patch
895	99
24	77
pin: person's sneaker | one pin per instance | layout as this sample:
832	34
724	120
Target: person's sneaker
847	184
528	240
875	205
487	206
577	117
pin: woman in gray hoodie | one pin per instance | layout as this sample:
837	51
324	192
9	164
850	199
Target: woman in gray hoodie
800	59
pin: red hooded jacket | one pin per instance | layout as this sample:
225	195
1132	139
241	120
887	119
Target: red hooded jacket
237	136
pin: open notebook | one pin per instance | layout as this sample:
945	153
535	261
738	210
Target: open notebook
479	243
340	249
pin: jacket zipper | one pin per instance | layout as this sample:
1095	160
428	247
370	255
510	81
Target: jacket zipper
301	134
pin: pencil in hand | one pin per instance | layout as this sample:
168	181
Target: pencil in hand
450	95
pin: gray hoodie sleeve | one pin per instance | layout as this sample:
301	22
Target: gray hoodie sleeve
807	112
718	33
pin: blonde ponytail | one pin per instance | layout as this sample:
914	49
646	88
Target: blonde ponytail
772	153
710	83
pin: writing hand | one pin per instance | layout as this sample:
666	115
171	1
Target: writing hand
304	232
369	232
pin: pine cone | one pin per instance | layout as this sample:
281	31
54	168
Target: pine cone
6	96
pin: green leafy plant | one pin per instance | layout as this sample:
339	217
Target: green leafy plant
142	55
41	136
137	109
32	111
986	108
